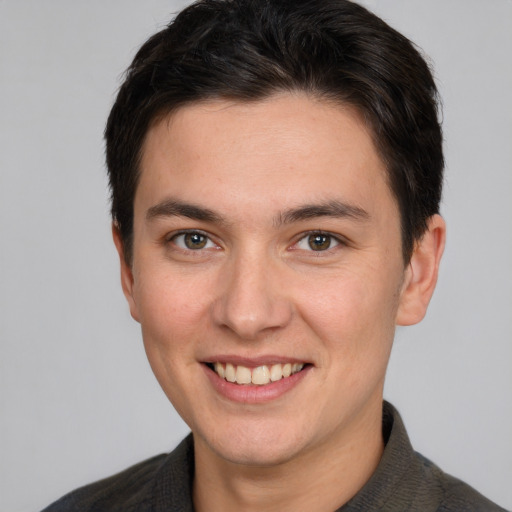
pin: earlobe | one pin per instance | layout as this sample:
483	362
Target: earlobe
127	282
421	274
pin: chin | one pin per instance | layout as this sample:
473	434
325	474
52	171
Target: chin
261	445
259	455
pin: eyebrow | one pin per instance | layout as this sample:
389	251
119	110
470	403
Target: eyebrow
175	208
336	209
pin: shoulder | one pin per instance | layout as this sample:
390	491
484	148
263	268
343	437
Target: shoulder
144	487
454	494
406	480
127	490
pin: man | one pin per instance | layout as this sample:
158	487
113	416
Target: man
276	172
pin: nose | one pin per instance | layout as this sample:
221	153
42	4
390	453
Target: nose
253	300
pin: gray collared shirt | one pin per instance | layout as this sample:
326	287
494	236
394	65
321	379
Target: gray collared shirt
403	481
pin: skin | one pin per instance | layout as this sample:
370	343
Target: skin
257	289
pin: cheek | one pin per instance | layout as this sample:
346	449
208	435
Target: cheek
172	321
169	304
353	315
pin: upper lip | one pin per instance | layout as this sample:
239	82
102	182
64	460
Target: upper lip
253	362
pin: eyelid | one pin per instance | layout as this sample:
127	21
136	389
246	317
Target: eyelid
340	240
171	237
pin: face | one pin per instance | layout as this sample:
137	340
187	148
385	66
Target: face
267	273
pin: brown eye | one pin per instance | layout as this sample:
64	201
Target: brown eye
195	240
192	241
319	242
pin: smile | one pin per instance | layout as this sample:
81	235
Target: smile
259	376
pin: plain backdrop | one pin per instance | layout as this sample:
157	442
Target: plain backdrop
77	398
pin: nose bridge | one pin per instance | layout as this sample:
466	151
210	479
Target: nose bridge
251	300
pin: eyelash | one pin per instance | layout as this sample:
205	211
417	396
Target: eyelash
333	239
308	237
191	232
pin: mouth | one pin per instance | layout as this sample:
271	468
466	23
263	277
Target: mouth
258	376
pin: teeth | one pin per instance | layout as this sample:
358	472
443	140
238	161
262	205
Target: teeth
243	375
220	370
276	372
259	376
230	373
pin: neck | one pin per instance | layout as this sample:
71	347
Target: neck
339	468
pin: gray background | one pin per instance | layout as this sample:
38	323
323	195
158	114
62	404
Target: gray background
77	398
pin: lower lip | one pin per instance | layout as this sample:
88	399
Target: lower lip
252	394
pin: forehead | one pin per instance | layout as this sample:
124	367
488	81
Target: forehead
275	150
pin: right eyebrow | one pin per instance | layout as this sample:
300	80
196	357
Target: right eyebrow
174	208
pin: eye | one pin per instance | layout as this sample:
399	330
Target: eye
192	241
317	242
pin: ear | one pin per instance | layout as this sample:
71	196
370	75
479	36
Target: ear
421	273
126	273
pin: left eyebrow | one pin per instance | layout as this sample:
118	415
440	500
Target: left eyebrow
337	209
